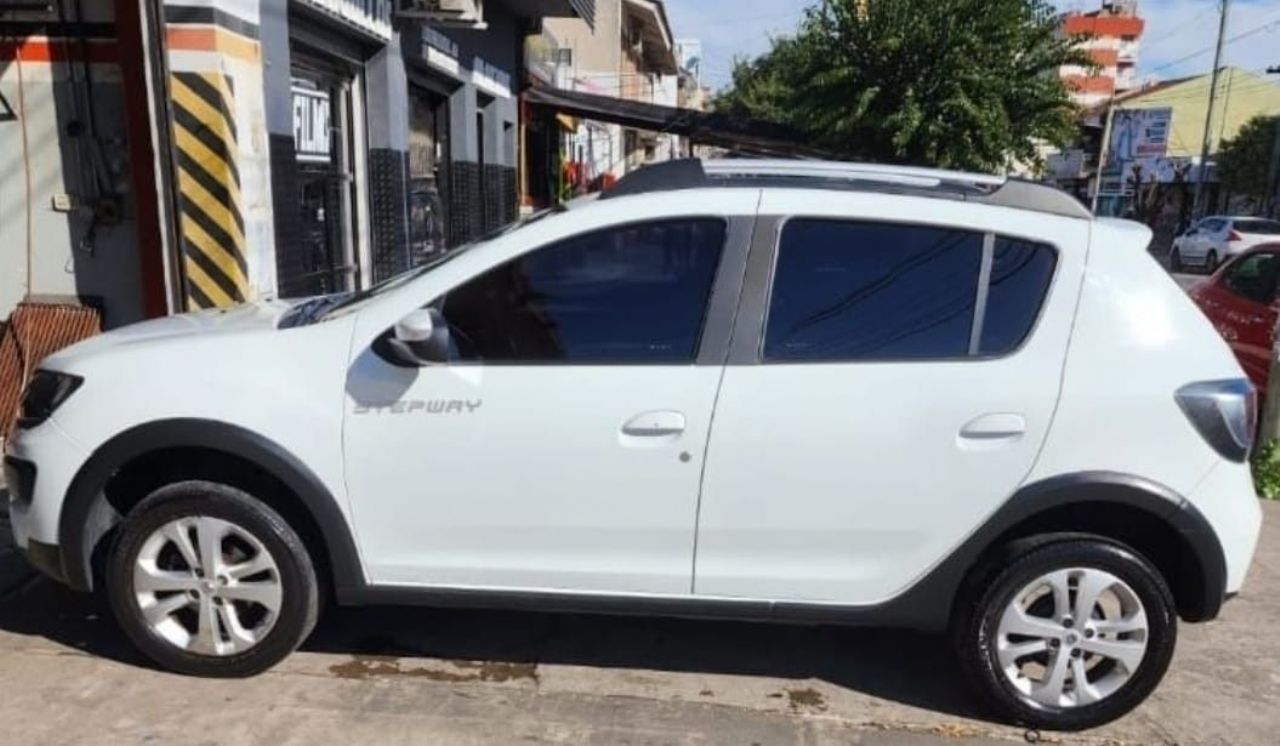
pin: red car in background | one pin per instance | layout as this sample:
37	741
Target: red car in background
1241	301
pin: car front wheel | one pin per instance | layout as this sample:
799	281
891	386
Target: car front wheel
1071	634
208	581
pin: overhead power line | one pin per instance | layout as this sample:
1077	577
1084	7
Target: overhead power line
1270	25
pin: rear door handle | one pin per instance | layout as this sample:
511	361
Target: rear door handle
655	424
1003	426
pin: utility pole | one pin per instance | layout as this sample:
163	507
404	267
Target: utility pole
1272	207
1102	155
1208	117
1270	415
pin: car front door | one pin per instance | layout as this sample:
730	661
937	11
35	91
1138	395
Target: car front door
1241	303
889	387
561	446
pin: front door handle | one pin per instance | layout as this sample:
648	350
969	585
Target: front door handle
655	424
989	427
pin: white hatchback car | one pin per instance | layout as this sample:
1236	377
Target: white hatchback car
805	392
1214	239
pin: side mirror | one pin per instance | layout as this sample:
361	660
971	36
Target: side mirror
421	338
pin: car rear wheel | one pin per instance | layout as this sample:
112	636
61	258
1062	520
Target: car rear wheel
1211	261
1175	259
208	581
1071	634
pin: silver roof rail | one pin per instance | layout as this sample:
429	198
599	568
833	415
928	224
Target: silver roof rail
912	176
984	189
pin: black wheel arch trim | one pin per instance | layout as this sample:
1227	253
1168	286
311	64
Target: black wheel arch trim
928	603
85	518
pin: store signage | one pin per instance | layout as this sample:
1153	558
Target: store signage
440	51
490	78
373	17
311	125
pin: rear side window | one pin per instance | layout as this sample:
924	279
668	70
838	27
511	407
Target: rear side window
632	294
1258	227
1020	275
850	291
1253	277
867	291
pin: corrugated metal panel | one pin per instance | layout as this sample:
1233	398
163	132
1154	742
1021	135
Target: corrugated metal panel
34	332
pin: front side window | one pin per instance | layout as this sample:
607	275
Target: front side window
867	291
633	294
1253	277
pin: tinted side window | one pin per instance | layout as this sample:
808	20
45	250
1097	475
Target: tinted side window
634	294
1258	227
868	291
1253	277
1020	275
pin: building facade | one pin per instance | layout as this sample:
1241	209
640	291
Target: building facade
171	155
1112	37
629	53
1157	133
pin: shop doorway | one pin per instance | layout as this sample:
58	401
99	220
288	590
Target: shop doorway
325	256
428	173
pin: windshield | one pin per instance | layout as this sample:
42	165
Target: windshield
344	304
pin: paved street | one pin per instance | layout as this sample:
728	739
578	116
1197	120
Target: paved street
422	676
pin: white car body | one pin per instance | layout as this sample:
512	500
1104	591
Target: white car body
1214	239
853	491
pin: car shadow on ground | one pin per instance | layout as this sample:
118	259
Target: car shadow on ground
904	667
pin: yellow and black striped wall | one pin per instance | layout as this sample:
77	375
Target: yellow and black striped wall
215	87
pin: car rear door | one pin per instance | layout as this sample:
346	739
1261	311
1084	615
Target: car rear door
1241	302
893	374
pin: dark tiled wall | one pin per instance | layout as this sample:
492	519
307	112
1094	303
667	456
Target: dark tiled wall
465	211
388	170
291	250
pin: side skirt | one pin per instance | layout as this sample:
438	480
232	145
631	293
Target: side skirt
622	605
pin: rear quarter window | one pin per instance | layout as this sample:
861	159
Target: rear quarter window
1258	227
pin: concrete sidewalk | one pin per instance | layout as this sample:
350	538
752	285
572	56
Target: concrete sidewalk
421	676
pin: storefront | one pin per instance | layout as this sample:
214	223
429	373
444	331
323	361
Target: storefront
463	121
319	174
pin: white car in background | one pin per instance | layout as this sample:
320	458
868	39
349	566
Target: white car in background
1215	238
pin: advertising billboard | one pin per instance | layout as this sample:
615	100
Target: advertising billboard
1139	141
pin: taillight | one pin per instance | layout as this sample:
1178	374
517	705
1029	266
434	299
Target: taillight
1234	236
1224	412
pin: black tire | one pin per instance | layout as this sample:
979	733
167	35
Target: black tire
1211	262
1175	260
299	604
995	586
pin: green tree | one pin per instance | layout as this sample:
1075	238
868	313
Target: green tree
1244	161
952	83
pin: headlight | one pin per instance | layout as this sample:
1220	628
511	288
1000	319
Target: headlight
1225	413
46	391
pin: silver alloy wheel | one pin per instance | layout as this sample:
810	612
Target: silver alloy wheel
207	586
1072	637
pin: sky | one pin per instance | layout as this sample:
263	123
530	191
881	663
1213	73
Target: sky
1178	41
